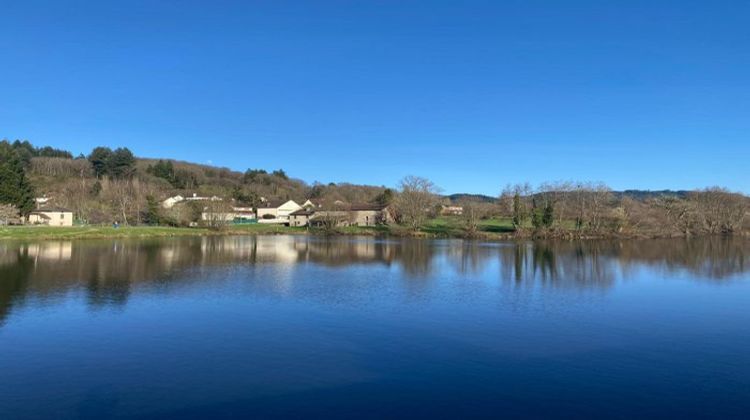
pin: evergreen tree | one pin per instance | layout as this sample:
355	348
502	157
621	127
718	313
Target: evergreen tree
152	215
99	159
549	214
14	187
537	215
96	189
385	198
280	174
121	163
251	175
162	169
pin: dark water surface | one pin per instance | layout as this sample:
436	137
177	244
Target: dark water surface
360	327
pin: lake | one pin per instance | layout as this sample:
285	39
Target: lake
293	326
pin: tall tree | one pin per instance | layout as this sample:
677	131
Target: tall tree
416	199
122	164
14	187
100	158
519	211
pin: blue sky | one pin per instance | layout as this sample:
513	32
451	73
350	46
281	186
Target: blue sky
471	94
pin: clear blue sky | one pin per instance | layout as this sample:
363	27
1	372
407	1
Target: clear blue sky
472	94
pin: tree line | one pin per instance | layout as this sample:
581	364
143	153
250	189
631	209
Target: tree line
112	184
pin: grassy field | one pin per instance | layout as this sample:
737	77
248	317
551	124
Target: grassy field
94	232
439	227
453	227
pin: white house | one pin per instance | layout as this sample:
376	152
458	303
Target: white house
236	214
276	211
52	216
172	201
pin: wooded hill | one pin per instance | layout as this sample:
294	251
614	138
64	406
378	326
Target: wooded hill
112	185
108	185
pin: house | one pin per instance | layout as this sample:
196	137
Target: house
311	204
301	217
276	211
52	216
237	215
451	210
353	215
370	214
172	201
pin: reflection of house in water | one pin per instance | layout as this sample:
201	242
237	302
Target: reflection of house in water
276	249
109	270
344	251
51	251
251	248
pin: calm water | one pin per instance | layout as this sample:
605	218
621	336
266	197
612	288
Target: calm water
297	326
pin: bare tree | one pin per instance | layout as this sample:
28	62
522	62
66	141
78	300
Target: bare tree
8	214
718	210
417	198
216	214
332	214
473	212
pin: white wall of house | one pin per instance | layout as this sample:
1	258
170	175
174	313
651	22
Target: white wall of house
262	211
280	212
51	218
288	207
298	220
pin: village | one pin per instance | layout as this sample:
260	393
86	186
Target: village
217	211
289	212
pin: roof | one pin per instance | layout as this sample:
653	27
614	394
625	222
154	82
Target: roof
52	210
362	207
302	212
272	204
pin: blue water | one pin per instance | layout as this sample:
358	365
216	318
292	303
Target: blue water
284	326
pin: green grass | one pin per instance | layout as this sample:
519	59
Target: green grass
78	232
440	227
94	232
454	227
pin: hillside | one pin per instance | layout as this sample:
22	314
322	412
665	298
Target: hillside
114	185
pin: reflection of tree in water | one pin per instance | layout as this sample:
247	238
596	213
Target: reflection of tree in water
13	281
470	257
109	271
556	264
416	257
598	263
714	258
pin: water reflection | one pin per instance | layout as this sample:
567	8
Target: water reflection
108	271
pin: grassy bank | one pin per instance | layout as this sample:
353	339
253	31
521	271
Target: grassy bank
102	232
443	227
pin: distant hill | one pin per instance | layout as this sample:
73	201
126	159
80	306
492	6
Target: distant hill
479	198
639	195
646	194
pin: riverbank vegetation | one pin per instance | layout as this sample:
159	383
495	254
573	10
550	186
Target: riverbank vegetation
109	186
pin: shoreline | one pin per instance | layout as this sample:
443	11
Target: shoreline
42	233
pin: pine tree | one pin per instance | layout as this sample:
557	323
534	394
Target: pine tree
100	158
549	214
537	215
121	164
15	189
